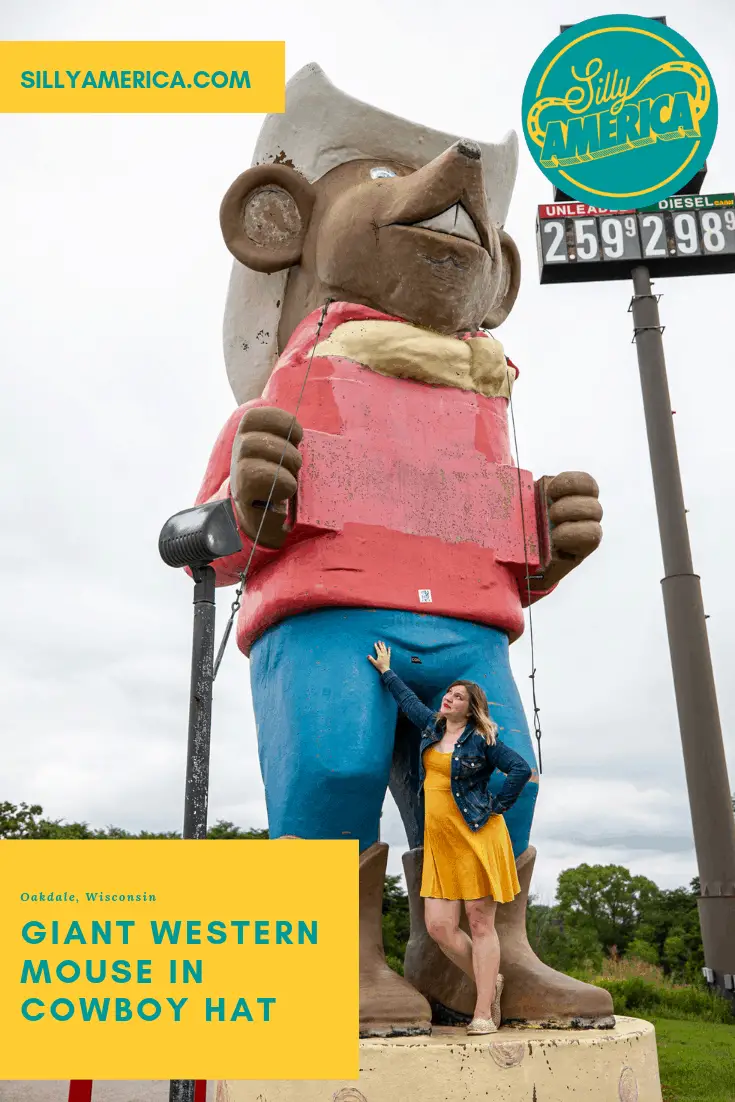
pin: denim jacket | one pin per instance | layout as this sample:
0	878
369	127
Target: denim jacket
473	760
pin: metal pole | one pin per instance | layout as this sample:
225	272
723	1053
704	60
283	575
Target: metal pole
200	726
200	704
181	1090
696	698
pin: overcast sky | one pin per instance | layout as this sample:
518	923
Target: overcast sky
112	286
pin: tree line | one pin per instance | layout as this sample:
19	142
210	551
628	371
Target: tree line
28	821
600	911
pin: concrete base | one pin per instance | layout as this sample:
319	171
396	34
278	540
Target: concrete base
612	1065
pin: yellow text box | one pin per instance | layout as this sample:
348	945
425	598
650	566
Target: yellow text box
132	77
269	931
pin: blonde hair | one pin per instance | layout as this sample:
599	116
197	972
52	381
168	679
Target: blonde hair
479	716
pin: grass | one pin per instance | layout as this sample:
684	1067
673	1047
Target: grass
642	991
696	1061
629	968
695	1030
643	999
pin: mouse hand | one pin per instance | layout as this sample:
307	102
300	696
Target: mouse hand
574	518
265	449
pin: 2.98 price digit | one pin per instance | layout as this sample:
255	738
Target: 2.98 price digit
685	233
718	231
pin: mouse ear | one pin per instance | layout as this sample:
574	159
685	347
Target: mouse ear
265	215
509	283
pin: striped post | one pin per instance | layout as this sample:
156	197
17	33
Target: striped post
80	1090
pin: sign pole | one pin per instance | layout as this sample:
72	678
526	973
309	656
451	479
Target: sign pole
196	538
197	757
713	821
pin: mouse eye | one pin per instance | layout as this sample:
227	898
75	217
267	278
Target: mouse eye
382	173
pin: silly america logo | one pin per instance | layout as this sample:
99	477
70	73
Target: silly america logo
620	112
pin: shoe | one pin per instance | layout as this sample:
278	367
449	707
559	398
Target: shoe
480	1026
389	1005
496	1014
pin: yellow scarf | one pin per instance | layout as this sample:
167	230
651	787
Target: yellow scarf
404	351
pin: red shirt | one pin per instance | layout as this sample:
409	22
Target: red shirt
408	497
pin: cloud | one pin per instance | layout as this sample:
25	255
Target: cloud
112	286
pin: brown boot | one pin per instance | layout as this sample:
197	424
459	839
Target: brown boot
450	992
533	994
389	1005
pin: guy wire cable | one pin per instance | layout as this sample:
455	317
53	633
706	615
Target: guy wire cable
532	676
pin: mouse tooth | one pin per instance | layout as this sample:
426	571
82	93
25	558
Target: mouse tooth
465	227
441	223
455	221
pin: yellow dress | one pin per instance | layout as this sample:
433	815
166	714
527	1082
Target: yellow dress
460	863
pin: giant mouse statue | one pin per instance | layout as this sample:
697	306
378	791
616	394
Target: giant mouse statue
370	265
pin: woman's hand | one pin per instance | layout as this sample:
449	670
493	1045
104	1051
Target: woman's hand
382	662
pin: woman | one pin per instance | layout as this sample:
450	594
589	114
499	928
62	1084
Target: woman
468	854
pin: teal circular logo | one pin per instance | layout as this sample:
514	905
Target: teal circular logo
619	112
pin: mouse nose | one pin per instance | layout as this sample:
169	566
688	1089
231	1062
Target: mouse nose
438	186
469	149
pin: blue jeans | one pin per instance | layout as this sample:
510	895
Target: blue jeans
330	740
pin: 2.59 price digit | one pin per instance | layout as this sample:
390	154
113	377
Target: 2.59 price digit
554	253
611	231
586	238
619	237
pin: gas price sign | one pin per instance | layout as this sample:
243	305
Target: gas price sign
684	235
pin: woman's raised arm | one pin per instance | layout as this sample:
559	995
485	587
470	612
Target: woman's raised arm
407	701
